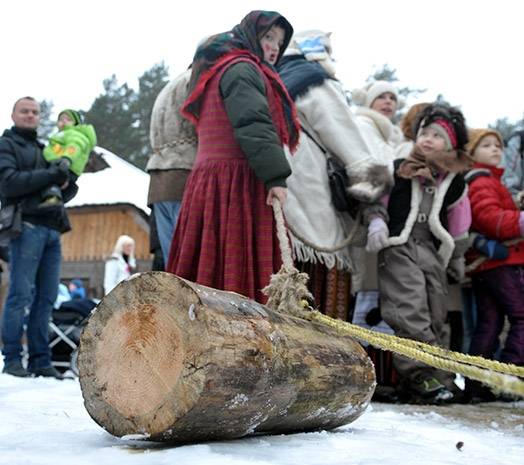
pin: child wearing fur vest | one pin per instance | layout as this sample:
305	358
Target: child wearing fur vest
498	284
424	236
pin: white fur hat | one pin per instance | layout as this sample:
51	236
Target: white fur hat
364	97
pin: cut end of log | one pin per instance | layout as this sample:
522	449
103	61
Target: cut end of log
140	355
132	357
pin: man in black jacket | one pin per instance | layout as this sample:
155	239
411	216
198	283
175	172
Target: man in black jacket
35	255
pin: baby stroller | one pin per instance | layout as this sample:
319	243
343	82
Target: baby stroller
64	332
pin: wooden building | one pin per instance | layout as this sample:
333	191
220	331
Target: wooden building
109	203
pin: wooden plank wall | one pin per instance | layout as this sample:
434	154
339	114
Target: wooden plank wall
96	229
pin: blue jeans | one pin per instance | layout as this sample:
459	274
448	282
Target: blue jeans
166	216
33	286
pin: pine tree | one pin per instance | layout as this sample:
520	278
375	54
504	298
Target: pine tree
121	115
111	115
385	73
149	86
46	123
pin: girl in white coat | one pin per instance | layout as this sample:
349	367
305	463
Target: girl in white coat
121	264
378	103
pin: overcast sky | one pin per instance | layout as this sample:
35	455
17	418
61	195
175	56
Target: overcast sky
469	52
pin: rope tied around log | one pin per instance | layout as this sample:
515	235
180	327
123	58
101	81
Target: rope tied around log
287	293
287	290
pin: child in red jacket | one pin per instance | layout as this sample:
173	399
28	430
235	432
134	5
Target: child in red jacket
498	284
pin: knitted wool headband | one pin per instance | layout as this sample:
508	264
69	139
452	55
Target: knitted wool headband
446	130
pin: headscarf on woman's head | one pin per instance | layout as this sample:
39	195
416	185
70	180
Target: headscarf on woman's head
242	43
244	36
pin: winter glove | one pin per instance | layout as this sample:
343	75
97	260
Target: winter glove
457	269
378	234
59	171
490	247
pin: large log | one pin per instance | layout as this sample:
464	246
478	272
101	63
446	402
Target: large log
175	361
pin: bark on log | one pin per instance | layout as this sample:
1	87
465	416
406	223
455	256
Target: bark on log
180	362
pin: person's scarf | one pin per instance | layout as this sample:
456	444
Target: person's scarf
299	75
430	166
244	36
243	40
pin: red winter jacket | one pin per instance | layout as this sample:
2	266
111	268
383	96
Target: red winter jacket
494	213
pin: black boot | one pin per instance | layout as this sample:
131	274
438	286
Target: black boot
15	369
476	392
47	372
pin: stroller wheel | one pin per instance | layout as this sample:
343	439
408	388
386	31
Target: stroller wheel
74	362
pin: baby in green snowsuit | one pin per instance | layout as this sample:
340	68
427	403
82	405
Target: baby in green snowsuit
71	145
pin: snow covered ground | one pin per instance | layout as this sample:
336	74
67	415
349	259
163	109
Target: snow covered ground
43	421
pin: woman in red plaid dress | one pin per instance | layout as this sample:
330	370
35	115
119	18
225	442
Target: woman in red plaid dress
225	237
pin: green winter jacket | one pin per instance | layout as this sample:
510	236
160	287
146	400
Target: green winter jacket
244	94
74	143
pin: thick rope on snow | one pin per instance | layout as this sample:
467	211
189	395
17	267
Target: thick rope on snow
500	376
288	293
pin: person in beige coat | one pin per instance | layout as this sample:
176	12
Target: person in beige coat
174	143
327	125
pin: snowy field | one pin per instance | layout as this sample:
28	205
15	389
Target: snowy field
43	421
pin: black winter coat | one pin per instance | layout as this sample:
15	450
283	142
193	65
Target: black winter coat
24	174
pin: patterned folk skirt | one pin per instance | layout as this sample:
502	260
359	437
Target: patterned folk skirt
225	236
330	287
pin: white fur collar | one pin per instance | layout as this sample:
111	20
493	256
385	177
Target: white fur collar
389	131
447	243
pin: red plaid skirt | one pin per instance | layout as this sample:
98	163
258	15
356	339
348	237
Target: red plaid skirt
225	236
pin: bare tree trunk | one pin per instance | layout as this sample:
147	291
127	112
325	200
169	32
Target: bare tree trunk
176	361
